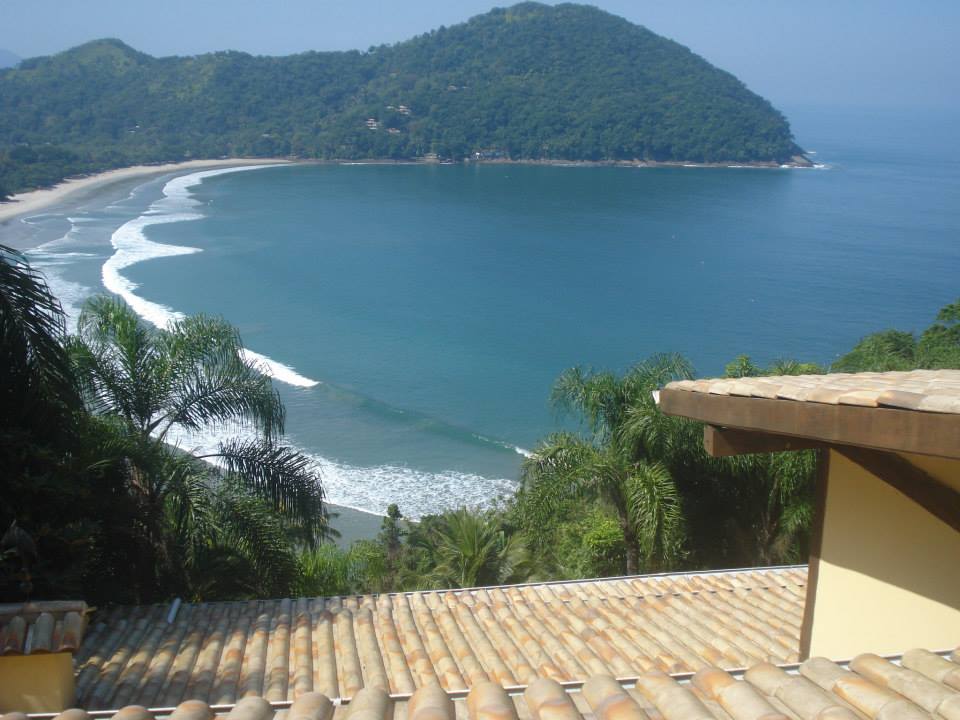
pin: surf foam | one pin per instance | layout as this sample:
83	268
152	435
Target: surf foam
371	489
48	259
131	246
368	489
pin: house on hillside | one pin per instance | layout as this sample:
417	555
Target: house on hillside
829	641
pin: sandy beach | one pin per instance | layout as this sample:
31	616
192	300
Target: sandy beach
352	524
39	200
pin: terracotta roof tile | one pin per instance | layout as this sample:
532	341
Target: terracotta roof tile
818	689
41	627
283	649
920	390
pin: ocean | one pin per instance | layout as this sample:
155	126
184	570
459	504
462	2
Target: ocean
415	317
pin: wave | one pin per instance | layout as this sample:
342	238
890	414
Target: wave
372	489
278	371
48	259
131	246
814	166
367	489
500	443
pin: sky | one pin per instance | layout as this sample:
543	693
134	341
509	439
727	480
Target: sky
880	54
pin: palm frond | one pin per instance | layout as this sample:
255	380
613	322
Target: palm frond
594	396
118	357
282	477
252	529
32	333
212	384
219	390
189	501
656	371
555	474
657	512
471	548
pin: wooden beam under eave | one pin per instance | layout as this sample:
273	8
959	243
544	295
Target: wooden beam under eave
889	429
727	442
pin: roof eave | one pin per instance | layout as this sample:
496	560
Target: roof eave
887	429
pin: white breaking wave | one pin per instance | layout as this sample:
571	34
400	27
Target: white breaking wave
516	448
131	246
371	489
47	259
368	489
814	166
277	370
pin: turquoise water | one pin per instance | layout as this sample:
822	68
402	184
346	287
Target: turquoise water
434	306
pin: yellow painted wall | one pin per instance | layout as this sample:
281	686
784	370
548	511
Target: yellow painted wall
889	576
36	683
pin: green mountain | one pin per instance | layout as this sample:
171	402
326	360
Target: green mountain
529	82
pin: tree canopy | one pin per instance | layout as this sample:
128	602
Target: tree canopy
529	82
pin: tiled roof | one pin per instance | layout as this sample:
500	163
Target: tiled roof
38	627
281	649
925	390
920	685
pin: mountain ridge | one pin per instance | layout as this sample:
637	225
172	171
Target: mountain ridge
530	82
8	59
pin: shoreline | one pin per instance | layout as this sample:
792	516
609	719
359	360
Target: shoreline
37	201
798	161
352	523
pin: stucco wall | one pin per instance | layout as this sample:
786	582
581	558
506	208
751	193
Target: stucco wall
889	575
36	683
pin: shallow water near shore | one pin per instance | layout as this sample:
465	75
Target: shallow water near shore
424	312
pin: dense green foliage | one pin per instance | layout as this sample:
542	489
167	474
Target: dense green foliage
621	463
586	498
937	347
527	82
99	504
114	510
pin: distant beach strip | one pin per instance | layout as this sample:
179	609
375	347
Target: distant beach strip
36	201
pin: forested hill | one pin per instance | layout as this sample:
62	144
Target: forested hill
528	82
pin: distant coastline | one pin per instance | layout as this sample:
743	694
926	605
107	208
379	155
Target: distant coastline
796	161
33	201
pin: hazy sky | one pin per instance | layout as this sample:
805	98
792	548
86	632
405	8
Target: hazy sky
868	53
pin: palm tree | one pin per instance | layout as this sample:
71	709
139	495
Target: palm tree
36	385
147	386
470	549
770	501
38	401
744	510
619	463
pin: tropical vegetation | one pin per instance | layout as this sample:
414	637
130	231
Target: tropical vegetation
529	82
117	507
633	489
108	496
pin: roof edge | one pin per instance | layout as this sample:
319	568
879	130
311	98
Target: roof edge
567	685
877	428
